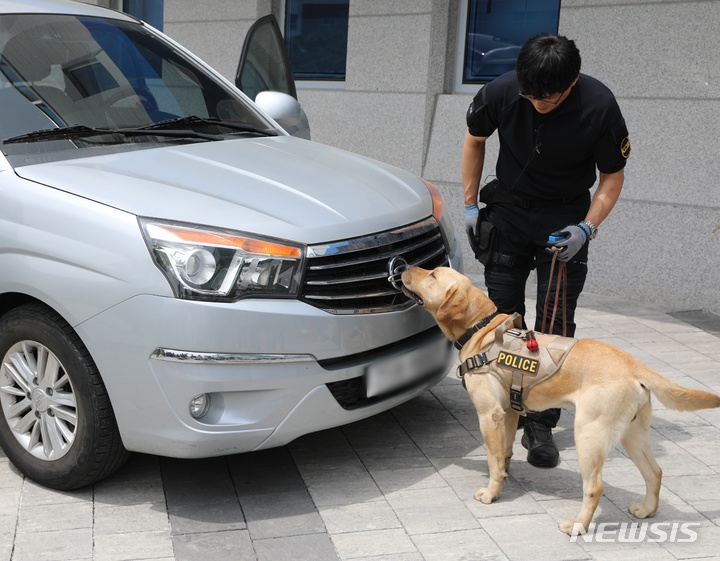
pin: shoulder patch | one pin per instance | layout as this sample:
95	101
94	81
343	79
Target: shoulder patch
625	147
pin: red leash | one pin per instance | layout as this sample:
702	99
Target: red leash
560	283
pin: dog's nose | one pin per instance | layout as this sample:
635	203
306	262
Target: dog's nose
396	266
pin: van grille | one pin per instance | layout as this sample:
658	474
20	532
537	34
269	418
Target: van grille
351	277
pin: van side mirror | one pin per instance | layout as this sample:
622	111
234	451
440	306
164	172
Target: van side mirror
286	111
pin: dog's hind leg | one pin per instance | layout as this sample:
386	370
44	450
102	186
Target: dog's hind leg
637	445
492	427
594	438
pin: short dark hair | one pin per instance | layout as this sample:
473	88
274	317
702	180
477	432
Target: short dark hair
547	64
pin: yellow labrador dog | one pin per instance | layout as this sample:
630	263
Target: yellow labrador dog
609	389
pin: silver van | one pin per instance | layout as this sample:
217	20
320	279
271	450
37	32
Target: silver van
179	275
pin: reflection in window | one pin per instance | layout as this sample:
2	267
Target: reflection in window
496	29
106	73
316	33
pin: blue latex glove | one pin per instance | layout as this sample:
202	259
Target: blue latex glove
471	216
574	238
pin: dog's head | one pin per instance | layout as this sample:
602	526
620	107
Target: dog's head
450	297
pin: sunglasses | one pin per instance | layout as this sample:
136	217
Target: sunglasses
544	99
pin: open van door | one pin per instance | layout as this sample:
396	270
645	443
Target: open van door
264	75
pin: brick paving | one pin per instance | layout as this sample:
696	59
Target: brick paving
398	486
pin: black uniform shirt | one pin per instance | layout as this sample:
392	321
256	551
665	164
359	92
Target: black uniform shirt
559	151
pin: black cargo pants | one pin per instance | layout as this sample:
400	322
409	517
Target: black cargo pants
521	247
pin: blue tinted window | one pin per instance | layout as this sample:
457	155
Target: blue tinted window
316	33
496	29
150	11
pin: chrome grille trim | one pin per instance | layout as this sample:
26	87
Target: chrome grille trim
351	276
376	276
355	295
360	261
194	357
377	240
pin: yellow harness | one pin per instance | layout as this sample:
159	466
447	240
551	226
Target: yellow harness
513	364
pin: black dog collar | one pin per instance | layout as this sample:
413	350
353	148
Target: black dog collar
473	330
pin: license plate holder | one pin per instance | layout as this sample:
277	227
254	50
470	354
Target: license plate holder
393	373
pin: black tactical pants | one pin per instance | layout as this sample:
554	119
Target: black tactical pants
521	247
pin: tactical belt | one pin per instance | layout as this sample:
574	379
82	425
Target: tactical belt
540	203
511	260
496	192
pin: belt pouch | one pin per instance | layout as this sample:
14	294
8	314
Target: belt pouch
486	239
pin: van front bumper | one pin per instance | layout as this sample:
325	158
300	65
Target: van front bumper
266	380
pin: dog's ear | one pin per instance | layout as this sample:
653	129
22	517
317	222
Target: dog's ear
451	309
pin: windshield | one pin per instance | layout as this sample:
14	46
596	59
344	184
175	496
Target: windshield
62	71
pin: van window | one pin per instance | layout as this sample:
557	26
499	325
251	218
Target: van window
109	73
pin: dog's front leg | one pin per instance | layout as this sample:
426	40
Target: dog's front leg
511	427
492	427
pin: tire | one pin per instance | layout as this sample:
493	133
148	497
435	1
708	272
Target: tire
57	425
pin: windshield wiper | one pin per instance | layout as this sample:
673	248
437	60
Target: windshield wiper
83	131
194	120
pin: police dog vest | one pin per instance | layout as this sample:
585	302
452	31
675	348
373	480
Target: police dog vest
518	368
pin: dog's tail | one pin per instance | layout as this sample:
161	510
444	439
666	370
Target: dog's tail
675	396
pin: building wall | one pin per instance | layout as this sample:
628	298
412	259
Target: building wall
660	245
112	4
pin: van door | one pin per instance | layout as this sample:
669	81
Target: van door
264	74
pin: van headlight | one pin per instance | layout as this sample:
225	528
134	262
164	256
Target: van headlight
443	218
202	263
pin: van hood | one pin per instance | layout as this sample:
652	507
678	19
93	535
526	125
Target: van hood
282	187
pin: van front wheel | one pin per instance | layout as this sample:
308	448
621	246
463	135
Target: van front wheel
57	425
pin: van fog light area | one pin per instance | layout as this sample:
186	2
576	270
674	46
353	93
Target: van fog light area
199	406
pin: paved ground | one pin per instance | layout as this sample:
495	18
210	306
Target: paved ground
397	487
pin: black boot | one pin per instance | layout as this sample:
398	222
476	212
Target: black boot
538	440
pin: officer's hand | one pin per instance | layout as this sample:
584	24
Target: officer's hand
471	217
574	238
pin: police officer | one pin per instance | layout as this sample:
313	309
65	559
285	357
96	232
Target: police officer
556	128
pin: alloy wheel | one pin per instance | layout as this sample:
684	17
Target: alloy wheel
38	400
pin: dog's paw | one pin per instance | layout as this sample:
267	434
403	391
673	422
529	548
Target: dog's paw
639	510
572	527
485	496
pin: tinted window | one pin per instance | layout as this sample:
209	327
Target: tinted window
264	62
496	29
316	32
